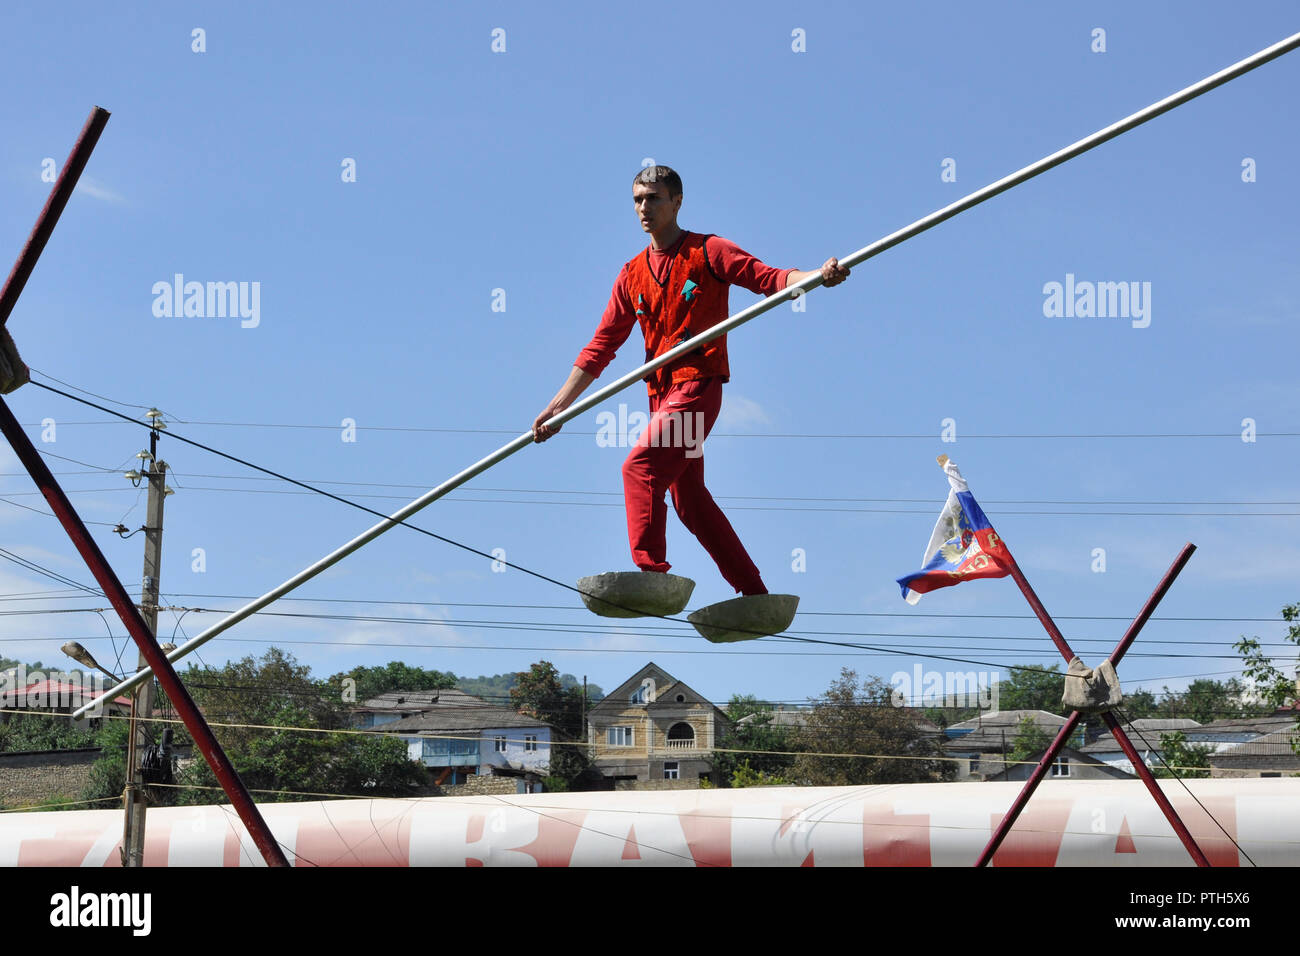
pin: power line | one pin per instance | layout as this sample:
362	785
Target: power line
97	395
804	498
41	569
570	607
387	518
458	498
919	436
521	568
652	631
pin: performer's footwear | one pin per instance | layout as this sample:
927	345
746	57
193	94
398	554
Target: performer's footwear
745	618
636	593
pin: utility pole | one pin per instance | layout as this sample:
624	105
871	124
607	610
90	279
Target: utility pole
136	799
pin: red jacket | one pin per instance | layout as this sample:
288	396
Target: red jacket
667	308
688	300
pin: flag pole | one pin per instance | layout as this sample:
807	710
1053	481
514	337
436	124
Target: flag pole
740	318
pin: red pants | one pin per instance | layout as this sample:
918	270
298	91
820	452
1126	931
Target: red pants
669	457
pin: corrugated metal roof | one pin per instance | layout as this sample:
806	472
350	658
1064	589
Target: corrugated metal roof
1276	744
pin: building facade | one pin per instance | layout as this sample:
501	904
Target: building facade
653	729
457	735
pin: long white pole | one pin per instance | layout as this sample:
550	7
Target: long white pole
722	328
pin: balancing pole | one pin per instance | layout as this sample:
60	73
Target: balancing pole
722	328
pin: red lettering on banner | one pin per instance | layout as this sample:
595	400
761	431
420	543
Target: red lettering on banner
67	848
1035	840
353	843
1218	849
789	817
1124	842
557	834
894	839
708	836
630	849
474	828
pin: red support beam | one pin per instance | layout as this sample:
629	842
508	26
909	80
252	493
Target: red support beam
148	644
1044	618
239	796
1149	608
49	216
1162	801
1010	817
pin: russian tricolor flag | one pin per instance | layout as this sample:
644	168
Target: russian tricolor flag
963	545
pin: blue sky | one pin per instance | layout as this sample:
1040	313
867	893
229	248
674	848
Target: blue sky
479	170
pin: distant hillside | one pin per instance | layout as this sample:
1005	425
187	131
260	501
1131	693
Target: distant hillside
496	689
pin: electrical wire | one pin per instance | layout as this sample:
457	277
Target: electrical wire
424	531
457	544
1177	776
570	607
551	503
920	436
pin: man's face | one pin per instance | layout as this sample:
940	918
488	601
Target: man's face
654	209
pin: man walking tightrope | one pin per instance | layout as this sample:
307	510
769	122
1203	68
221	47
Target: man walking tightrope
676	289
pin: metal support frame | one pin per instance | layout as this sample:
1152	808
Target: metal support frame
1049	756
722	328
239	796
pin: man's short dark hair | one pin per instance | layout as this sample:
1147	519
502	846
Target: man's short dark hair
650	175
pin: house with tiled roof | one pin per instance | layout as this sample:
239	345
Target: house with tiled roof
984	741
1144	733
1272	755
457	735
1220	736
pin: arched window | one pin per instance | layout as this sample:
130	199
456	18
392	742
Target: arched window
681	734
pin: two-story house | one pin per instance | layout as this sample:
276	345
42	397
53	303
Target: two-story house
654	727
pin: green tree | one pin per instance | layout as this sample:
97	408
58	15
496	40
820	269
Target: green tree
1180	755
395	675
849	720
1269	683
1205	700
309	766
1030	741
1273	687
539	692
1038	688
32	727
107	776
496	688
245	702
754	737
1140	703
746	776
38	731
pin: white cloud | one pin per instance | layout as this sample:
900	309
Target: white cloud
739	412
95	191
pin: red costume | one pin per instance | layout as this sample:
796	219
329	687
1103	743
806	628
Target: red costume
674	294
